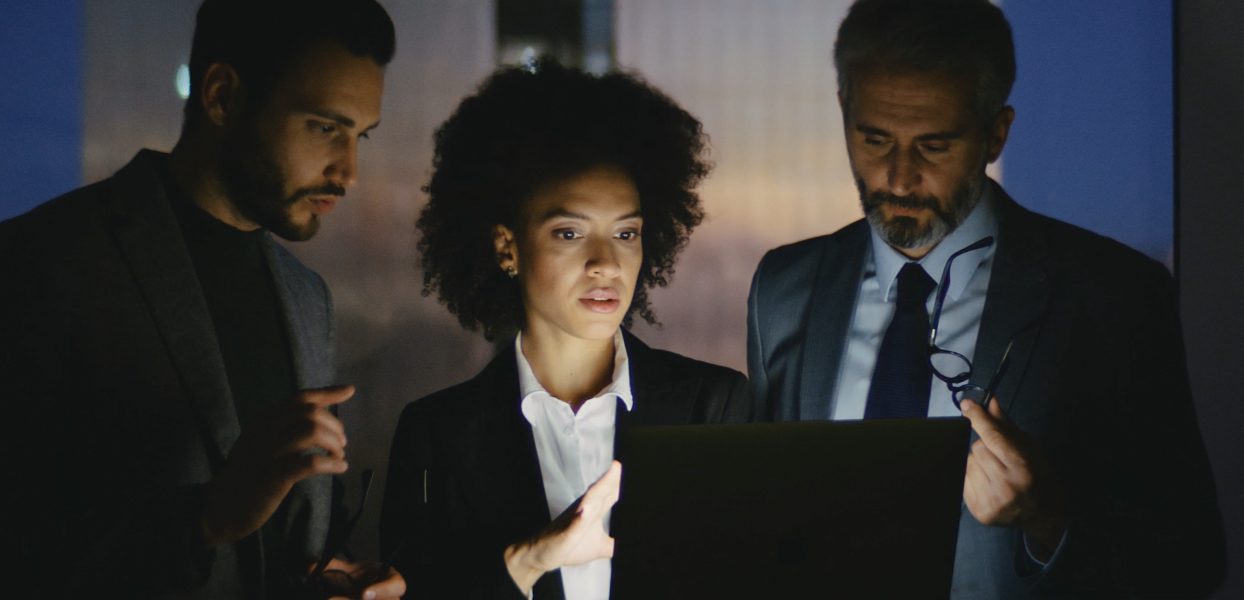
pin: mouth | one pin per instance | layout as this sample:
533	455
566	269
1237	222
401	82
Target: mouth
906	211
601	300
322	205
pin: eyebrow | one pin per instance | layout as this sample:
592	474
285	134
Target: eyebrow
941	136
338	118
559	212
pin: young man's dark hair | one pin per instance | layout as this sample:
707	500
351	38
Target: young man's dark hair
527	128
966	38
263	39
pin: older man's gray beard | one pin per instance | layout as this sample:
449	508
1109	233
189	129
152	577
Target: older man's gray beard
907	233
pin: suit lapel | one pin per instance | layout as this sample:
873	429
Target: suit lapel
305	317
829	318
150	238
660	396
1018	297
504	452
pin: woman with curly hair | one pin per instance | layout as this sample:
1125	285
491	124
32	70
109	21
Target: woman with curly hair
558	199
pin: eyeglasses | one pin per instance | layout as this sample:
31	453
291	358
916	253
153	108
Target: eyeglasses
954	369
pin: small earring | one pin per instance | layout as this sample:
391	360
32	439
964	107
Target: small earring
511	271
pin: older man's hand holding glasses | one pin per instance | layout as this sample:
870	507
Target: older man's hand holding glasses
1008	481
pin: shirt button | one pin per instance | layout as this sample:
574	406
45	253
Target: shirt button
569	429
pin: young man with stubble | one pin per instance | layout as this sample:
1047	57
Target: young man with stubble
168	366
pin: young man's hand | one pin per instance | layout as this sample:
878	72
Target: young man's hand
298	439
345	580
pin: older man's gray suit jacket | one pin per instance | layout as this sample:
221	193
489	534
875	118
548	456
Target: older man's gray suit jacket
1096	376
117	401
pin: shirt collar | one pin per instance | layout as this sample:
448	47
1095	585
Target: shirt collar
620	386
981	222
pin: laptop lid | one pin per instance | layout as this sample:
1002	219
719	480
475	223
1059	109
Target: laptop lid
789	510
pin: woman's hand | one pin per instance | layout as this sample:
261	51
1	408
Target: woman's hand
575	537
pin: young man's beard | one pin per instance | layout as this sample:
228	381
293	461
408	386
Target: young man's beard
256	186
908	233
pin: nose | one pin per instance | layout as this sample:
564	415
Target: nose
903	173
602	260
343	169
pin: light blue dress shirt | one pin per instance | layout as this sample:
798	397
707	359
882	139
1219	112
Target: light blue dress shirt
957	330
874	307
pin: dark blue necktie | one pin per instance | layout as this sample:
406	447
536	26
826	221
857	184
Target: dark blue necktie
900	386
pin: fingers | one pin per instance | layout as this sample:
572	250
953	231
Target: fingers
576	536
975	476
989	428
328	424
989	462
602	494
614	473
976	479
311	435
327	430
333	564
392	586
994	486
325	397
304	429
613	478
387	585
972	411
607	483
988	491
995	409
976	492
306	465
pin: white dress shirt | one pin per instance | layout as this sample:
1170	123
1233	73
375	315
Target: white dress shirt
574	450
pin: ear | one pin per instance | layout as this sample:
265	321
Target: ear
505	247
221	93
999	131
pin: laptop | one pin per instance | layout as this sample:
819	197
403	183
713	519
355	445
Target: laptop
859	509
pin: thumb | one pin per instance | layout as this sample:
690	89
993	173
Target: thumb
328	396
983	421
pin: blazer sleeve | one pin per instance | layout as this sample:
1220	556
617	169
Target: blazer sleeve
1144	515
417	533
67	527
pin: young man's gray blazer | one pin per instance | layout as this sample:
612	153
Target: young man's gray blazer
119	405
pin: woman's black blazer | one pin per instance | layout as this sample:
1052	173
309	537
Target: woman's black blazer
464	480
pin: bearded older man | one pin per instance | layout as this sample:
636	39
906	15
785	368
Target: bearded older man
1087	476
